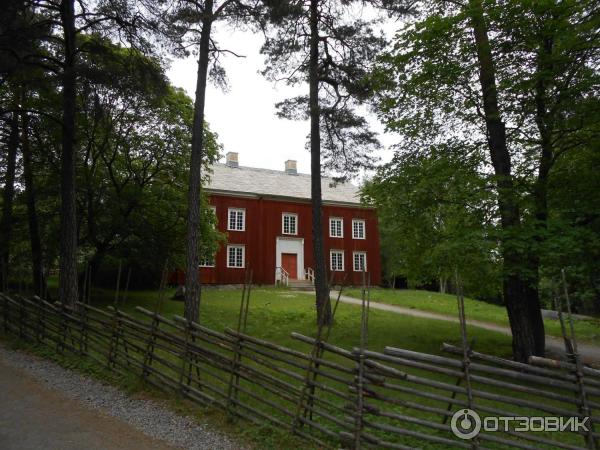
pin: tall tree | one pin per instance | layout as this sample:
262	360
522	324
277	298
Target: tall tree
488	69
37	265
191	22
67	279
8	194
436	216
319	43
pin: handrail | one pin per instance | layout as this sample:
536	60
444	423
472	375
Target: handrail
310	274
282	276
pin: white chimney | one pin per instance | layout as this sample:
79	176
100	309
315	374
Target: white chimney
290	167
231	159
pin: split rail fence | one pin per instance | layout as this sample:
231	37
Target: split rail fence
327	395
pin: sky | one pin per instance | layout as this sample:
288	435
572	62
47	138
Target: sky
244	116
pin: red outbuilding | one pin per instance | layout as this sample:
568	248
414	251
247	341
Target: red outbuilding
266	215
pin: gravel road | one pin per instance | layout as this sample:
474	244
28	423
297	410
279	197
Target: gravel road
46	406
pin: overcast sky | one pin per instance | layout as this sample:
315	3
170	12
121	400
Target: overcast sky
244	116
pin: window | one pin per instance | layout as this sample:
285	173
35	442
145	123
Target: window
358	229
290	223
207	261
237	219
236	256
360	261
336	258
336	227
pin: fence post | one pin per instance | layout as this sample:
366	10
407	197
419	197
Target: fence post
184	358
466	362
360	364
308	390
234	378
114	341
60	345
584	409
5	311
83	330
149	354
21	318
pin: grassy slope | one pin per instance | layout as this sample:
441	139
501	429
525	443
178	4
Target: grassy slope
274	314
588	330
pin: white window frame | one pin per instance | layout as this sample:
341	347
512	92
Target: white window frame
234	246
205	262
229	224
341	220
364	228
354	266
331	253
295	216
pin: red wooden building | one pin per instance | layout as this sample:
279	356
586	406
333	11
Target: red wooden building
267	217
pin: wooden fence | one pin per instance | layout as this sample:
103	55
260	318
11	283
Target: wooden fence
330	396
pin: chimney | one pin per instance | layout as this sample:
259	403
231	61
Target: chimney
231	159
290	167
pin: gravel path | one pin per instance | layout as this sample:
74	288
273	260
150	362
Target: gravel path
555	347
97	415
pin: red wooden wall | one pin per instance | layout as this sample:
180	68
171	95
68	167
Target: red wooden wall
264	225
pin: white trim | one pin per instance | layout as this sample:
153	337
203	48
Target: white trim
295	216
364	228
341	219
288	244
331	252
207	265
243	247
354	261
240	194
237	210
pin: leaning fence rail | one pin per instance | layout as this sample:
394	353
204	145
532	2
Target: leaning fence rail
328	395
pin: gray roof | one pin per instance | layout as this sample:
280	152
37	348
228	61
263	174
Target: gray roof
250	180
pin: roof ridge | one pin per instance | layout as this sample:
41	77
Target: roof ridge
277	182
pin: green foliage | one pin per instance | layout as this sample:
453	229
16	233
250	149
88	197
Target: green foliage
545	56
574	229
133	146
434	210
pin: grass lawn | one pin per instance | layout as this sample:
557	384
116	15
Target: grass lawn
275	313
586	330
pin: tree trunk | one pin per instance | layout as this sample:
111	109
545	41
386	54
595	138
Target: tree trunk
520	292
321	286
7	201
67	278
192	281
34	229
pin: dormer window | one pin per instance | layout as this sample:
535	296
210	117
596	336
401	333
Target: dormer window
336	227
289	223
237	219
